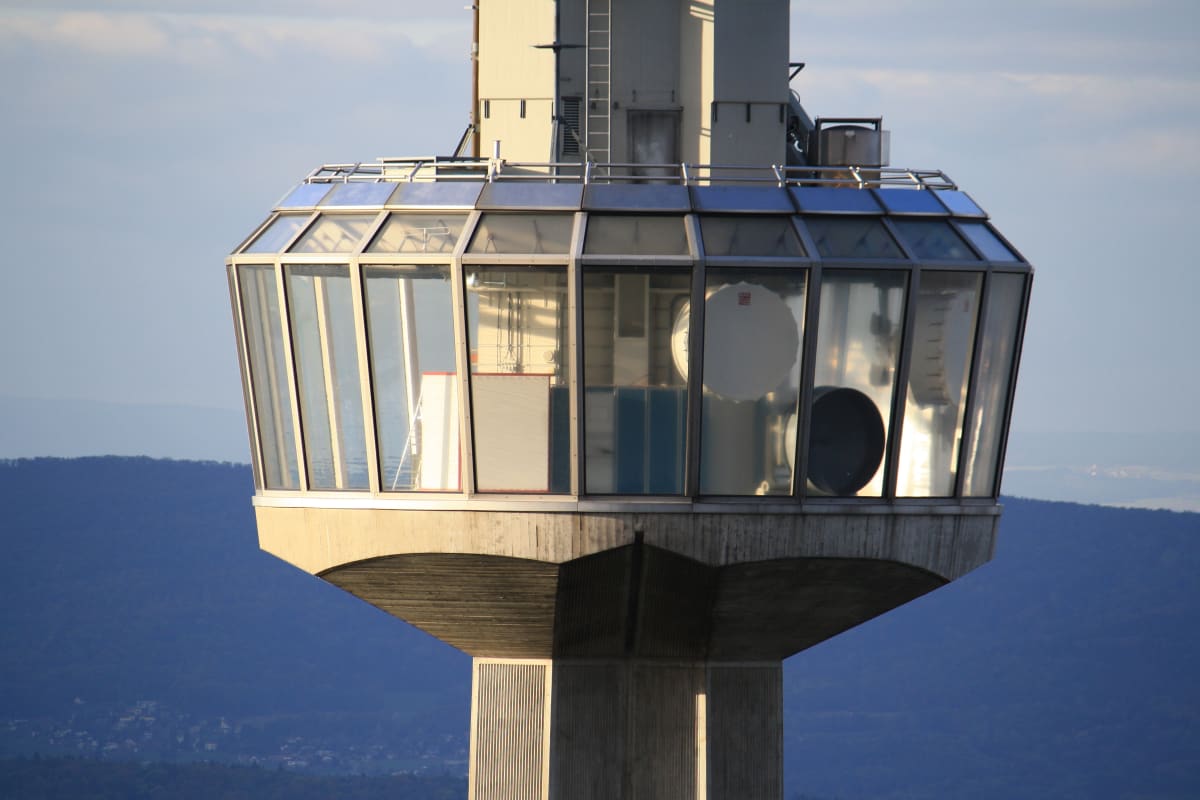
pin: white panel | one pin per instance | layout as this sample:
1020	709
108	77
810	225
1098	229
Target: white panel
512	432
439	431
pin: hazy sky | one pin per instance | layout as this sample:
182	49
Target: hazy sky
143	139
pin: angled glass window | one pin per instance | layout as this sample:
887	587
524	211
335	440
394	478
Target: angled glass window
520	402
523	233
858	344
943	339
959	203
852	237
359	193
277	234
989	404
410	334
753	327
305	195
326	358
635	235
933	240
334	233
635	377
910	201
269	376
835	199
418	233
750	236
987	242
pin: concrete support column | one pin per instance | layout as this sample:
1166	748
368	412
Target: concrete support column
626	730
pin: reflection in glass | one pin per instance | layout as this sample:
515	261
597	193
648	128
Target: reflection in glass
517	333
858	343
933	239
326	359
852	237
418	233
410	333
277	234
989	404
268	376
634	358
750	236
334	233
522	233
753	327
942	340
987	242
635	235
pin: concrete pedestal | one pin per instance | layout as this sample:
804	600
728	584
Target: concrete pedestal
626	729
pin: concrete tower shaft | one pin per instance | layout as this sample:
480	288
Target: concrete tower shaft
634	81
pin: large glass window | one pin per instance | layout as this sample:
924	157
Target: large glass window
942	340
635	235
277	234
753	327
410	333
750	236
858	343
635	367
933	240
269	376
334	233
852	237
326	357
523	233
520	402
989	405
418	233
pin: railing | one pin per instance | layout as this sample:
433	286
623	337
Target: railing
440	168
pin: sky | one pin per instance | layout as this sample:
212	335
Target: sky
144	139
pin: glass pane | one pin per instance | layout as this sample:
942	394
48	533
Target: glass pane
987	242
269	376
334	233
523	233
517	332
858	341
630	235
910	201
753	327
305	195
277	234
989	406
942	341
831	198
419	233
359	193
410	333
933	240
750	236
959	203
326	359
852	237
635	373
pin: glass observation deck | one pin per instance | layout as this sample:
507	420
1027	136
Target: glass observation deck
434	331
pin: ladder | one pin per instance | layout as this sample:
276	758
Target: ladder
597	140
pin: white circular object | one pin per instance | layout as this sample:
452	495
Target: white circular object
752	344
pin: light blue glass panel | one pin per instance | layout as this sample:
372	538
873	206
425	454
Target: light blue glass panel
410	333
305	195
277	234
959	203
635	235
750	236
833	199
269	376
326	359
359	193
852	237
520	362
765	199
943	340
437	194
910	201
636	196
987	242
989	405
523	233
334	233
933	240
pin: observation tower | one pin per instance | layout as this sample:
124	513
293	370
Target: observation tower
674	382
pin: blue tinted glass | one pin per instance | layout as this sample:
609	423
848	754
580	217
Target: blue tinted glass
741	198
277	234
852	237
646	196
440	194
909	201
828	198
959	203
305	195
359	194
533	194
933	239
987	242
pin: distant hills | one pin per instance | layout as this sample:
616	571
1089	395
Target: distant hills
138	620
